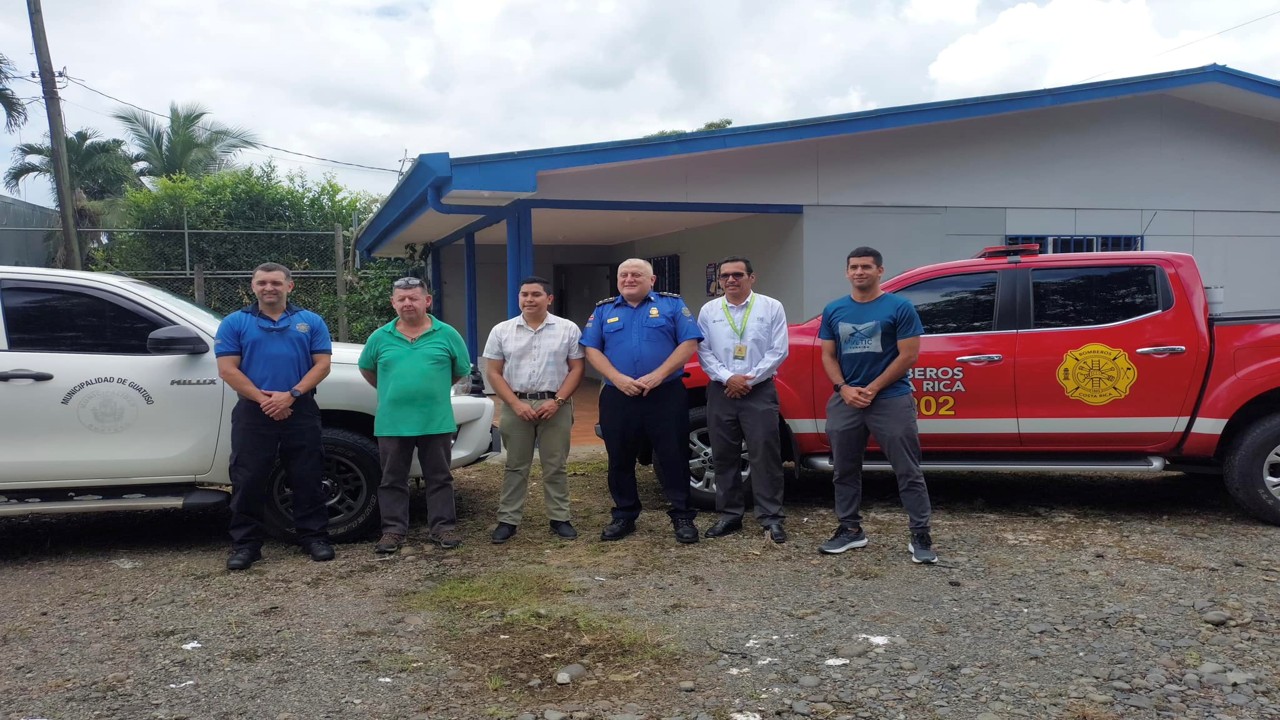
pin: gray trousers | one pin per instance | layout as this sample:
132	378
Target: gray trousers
754	418
552	439
434	454
893	423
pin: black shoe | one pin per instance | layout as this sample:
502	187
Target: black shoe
319	550
503	533
243	558
776	533
846	537
618	529
563	529
723	527
686	531
921	548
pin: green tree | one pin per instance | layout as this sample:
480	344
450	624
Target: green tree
240	204
99	169
720	124
185	143
15	111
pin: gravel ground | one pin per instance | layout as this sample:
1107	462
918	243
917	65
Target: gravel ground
1077	597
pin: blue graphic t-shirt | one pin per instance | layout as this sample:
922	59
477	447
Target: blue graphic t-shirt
867	335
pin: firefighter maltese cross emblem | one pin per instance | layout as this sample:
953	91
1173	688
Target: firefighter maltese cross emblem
1096	374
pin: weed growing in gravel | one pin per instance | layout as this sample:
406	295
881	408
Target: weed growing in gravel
495	682
502	590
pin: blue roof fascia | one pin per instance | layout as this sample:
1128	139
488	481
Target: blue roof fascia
517	171
405	203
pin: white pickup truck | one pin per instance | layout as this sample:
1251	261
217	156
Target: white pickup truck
110	400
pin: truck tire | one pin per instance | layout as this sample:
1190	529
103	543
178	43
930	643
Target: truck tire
1252	469
352	474
702	476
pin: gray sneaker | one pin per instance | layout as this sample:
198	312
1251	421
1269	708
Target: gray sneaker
846	537
921	548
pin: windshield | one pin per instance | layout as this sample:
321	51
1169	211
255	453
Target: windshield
178	302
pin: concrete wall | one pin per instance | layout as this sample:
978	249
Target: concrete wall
1235	249
24	247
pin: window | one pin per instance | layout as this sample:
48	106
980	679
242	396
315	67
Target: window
42	318
1053	244
1080	297
667	269
955	304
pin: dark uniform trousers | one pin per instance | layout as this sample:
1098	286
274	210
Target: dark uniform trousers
753	418
256	440
662	416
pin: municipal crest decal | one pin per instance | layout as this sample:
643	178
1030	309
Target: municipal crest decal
1096	374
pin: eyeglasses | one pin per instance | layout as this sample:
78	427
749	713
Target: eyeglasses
270	326
732	276
405	283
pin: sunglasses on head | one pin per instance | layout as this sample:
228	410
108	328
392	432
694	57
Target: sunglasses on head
405	283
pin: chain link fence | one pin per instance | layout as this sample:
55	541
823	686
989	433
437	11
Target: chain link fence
214	268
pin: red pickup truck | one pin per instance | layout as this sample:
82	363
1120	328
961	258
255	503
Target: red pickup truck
1064	362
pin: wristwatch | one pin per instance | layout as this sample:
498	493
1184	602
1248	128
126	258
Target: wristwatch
560	401
837	386
295	393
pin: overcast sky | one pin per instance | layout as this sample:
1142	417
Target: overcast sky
363	81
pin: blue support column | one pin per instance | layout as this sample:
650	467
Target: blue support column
473	314
437	283
519	253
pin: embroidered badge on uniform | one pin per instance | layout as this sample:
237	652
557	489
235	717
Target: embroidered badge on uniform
653	312
686	312
302	327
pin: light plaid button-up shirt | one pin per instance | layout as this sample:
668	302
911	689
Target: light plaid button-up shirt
534	360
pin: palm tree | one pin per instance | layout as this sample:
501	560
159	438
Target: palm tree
99	169
187	143
15	111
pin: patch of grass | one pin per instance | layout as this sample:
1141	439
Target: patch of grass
503	591
588	468
398	663
495	682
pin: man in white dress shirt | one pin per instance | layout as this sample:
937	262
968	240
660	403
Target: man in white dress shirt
535	364
745	340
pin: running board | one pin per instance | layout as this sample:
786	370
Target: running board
196	499
1147	464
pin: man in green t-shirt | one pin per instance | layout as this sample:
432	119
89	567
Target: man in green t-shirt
414	361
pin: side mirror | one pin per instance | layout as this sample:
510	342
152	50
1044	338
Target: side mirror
176	340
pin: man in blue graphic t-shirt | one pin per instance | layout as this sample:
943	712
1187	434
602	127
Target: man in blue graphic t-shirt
870	339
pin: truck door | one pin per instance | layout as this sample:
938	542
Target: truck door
963	381
84	399
1109	360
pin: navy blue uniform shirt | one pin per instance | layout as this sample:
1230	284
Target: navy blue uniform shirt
274	354
637	340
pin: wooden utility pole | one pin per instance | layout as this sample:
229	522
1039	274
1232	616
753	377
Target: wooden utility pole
57	138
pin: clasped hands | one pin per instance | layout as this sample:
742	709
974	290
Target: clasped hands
278	405
858	397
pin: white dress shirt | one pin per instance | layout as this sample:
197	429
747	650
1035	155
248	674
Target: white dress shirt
765	337
534	360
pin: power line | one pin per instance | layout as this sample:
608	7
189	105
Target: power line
81	83
1193	42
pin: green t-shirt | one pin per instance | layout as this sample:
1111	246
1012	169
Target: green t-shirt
415	379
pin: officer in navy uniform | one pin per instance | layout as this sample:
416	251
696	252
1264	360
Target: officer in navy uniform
273	354
639	341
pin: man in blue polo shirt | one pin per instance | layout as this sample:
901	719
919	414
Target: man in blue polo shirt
274	354
639	341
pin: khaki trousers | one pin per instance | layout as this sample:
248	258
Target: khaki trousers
551	436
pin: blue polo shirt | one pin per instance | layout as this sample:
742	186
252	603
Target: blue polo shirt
274	354
636	340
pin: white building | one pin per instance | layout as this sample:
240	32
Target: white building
1186	161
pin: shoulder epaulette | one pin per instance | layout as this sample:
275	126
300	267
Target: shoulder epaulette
671	295
607	300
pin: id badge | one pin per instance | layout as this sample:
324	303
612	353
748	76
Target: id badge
740	351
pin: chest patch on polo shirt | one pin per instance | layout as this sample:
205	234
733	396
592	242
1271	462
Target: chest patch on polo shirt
302	327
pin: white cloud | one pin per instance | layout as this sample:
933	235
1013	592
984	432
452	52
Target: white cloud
364	82
960	12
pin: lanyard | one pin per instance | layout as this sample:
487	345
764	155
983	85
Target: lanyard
739	331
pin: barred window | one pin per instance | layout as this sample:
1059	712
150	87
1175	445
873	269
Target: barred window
667	269
1053	244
